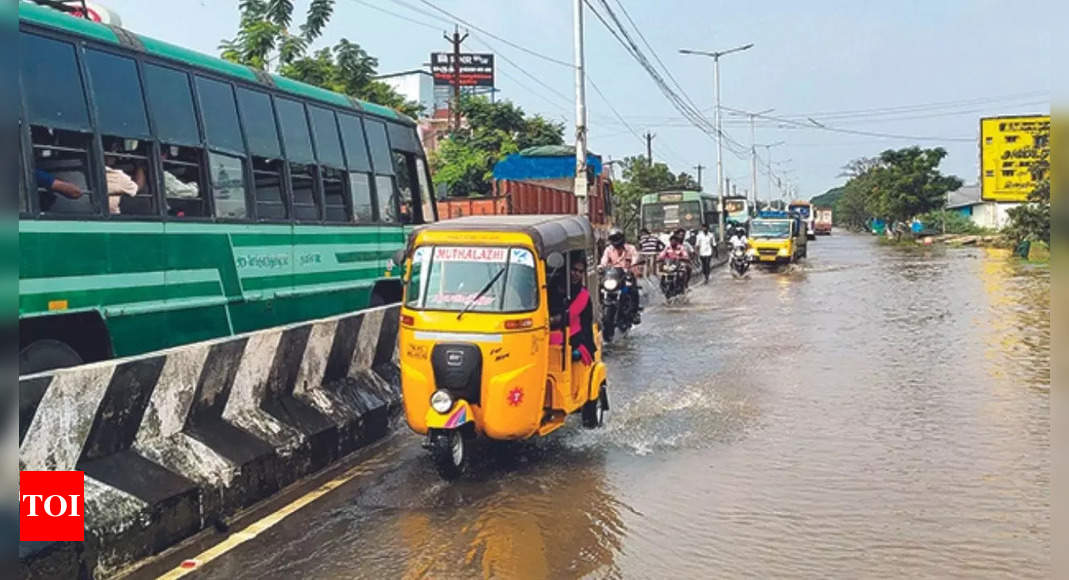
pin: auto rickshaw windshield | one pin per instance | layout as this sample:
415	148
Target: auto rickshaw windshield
472	278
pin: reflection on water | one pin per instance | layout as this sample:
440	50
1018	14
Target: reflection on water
873	413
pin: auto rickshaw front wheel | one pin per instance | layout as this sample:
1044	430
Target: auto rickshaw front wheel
450	453
594	411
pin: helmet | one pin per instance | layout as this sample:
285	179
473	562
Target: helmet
616	237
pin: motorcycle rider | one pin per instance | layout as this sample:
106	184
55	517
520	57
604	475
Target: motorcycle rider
677	251
620	254
739	243
739	239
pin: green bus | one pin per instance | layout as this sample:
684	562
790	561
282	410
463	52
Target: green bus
665	211
168	197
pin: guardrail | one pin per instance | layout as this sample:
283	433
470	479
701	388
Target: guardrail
172	441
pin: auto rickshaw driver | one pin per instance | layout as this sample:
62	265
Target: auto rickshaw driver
580	313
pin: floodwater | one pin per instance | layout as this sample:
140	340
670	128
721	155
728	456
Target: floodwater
875	412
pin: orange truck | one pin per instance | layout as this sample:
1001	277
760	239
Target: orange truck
823	221
539	180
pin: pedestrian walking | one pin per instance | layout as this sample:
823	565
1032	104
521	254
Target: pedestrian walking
706	248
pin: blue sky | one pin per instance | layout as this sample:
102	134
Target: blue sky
911	68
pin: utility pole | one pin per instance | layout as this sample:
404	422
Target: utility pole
699	167
649	148
753	149
583	203
768	152
719	125
455	41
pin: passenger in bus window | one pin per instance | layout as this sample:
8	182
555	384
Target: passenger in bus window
119	184
172	185
49	183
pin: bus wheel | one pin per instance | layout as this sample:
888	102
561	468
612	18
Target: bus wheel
45	355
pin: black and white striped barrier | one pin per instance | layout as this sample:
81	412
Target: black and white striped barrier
172	441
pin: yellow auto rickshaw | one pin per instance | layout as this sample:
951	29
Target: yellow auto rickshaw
498	337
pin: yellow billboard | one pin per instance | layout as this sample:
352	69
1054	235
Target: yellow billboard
1008	148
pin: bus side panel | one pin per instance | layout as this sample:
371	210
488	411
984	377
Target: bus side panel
262	256
200	276
114	267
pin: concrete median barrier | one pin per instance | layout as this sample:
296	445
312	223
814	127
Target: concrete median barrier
172	442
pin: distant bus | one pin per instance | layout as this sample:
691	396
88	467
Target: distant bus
805	210
823	222
666	211
737	209
215	199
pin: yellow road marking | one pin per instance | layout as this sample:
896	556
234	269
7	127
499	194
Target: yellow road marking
265	523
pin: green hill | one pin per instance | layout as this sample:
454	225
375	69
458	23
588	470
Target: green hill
828	198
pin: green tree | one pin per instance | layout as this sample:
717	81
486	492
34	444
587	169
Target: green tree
265	41
908	182
828	198
465	161
896	186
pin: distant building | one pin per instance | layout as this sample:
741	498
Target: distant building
987	214
417	85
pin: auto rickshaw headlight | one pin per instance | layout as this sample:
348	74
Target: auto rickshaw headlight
441	401
611	284
783	251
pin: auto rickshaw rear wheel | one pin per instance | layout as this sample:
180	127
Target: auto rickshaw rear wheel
594	411
449	451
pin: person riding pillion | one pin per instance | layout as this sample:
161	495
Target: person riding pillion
739	240
677	251
620	254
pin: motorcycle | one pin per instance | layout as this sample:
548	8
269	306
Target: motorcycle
740	262
673	278
618	302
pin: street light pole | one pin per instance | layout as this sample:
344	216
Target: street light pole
719	127
582	203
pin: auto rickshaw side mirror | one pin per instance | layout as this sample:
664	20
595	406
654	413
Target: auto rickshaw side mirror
399	256
555	260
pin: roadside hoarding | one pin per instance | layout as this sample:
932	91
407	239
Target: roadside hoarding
1008	148
476	70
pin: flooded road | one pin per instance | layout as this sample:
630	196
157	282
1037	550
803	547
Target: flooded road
875	412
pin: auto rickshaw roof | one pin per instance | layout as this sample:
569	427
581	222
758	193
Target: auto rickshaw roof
549	233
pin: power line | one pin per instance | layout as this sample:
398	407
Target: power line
396	15
612	108
823	127
490	34
687	110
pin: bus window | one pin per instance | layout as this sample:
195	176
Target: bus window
52	84
222	130
59	125
426	195
123	124
382	161
220	113
258	118
356	156
171	104
404	169
301	158
331	164
228	186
